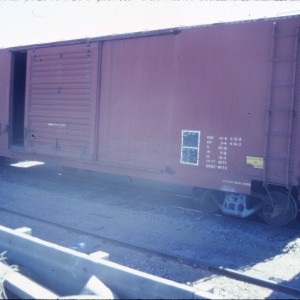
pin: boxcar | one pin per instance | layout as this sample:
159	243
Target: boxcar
211	107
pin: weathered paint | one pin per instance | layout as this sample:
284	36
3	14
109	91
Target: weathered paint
125	112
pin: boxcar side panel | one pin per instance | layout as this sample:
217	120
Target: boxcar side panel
210	82
189	108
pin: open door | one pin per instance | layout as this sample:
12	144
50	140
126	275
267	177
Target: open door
19	62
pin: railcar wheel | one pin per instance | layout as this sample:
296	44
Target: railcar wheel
283	212
204	201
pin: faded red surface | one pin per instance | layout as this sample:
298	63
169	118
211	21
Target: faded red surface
121	105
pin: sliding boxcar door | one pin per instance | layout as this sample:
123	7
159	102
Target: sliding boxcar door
62	92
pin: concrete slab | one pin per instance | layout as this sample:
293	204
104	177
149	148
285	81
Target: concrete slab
66	271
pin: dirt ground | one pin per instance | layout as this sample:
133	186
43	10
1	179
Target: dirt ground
151	217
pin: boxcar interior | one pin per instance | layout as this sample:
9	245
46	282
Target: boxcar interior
19	60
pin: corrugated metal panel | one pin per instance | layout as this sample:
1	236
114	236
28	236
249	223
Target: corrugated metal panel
62	92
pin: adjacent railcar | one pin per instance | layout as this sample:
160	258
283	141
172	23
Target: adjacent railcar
211	107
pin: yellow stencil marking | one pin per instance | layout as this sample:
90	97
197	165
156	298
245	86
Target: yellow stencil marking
256	162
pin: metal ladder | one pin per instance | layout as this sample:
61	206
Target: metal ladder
284	93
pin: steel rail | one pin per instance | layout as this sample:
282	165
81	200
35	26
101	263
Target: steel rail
291	229
232	274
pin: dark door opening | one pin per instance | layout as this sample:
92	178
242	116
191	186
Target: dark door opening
19	60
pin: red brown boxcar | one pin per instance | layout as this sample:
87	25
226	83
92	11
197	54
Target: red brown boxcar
213	107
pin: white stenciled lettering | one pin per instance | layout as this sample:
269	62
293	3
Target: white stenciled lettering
57	124
210	166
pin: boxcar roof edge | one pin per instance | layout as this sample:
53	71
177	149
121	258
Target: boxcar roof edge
137	34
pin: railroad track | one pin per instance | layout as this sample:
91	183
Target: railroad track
293	229
226	272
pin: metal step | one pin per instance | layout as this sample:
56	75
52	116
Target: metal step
281	110
280	134
283	35
283	60
283	84
283	159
